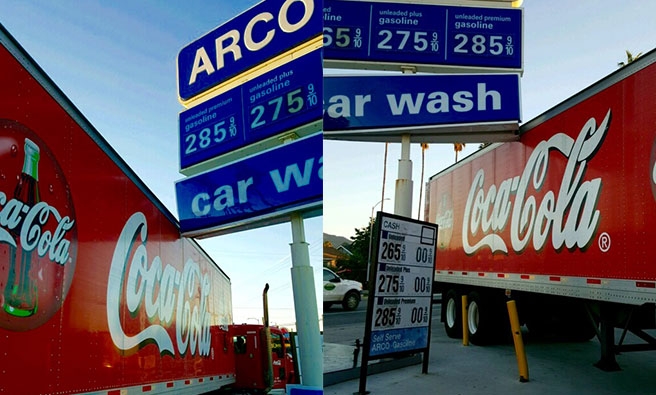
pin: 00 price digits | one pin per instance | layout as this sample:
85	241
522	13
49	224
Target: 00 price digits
283	106
419	315
385	316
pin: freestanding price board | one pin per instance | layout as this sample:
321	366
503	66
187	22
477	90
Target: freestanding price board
400	291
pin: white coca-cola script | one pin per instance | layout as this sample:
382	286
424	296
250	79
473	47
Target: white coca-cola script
569	215
160	289
32	221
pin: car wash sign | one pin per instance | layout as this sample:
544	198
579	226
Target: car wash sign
259	190
262	32
400	102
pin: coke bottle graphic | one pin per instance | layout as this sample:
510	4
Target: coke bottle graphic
20	298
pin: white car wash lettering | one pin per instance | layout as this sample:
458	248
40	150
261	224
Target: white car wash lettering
570	215
223	197
229	42
415	103
161	289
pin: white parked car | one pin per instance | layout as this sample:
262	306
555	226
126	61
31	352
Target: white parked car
339	290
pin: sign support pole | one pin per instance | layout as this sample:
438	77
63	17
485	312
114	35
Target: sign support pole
305	306
403	193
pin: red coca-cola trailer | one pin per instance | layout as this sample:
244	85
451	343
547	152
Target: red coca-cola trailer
562	220
98	292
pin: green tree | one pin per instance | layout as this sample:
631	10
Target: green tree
355	266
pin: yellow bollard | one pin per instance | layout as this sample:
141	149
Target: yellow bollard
522	364
465	325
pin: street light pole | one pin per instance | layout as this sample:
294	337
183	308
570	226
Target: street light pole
371	225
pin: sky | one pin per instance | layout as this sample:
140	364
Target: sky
116	61
568	45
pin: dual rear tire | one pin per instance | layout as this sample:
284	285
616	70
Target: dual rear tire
487	321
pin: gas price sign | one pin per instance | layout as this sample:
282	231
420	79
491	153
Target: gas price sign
421	35
281	100
400	308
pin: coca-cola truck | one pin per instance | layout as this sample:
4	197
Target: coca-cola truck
562	221
98	292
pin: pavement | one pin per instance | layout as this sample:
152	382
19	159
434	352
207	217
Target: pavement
562	368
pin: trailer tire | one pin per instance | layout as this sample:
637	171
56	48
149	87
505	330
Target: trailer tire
487	321
452	308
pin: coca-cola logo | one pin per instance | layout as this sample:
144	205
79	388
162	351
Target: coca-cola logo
166	295
568	216
38	236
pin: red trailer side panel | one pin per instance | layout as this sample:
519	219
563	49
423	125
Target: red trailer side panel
569	209
97	289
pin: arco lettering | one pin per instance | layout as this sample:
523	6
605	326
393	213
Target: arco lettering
229	42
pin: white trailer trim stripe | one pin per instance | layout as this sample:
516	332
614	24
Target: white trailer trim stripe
635	292
186	386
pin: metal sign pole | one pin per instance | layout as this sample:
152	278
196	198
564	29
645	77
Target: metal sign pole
305	306
403	192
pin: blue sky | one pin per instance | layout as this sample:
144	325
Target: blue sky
117	62
568	45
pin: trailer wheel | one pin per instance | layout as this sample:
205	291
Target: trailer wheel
452	308
487	321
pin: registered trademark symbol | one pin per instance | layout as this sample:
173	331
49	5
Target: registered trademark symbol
604	242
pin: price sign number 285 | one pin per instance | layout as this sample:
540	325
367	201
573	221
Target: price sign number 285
385	316
206	137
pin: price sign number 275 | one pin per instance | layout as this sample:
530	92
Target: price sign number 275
283	106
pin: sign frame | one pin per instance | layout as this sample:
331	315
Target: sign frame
235	113
353	44
247	40
391	227
369	106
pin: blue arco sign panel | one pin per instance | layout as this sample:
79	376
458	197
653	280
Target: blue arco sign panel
420	34
281	100
262	32
399	101
261	189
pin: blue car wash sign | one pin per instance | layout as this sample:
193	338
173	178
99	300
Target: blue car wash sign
281	100
407	101
421	35
260	33
256	191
